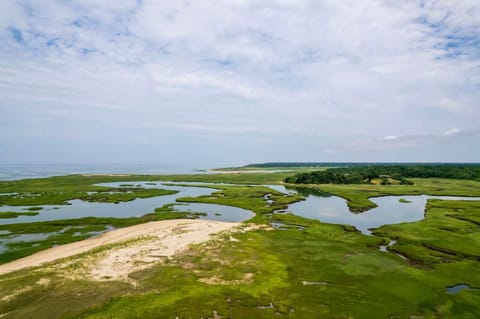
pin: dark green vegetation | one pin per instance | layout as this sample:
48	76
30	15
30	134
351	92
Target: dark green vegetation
297	164
125	195
247	197
16	214
59	232
34	208
62	198
403	200
391	174
357	195
334	176
57	190
231	178
450	232
60	189
306	270
349	164
240	196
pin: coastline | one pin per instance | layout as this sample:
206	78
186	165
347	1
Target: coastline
163	238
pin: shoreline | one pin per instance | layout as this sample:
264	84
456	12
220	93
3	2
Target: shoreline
172	236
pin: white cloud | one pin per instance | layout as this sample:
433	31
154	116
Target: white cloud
408	141
390	137
331	68
452	131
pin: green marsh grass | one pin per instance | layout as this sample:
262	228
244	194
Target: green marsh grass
261	273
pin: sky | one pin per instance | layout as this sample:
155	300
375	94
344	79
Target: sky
219	83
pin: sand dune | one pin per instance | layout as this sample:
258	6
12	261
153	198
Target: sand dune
158	240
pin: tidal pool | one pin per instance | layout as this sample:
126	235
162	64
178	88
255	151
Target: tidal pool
459	287
22	238
7	239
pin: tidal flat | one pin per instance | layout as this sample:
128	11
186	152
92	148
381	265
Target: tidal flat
259	271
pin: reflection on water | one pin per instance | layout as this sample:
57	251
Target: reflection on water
459	287
135	208
34	238
22	238
317	205
216	212
333	209
305	191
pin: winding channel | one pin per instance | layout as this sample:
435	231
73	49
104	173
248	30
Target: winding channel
135	208
389	210
317	205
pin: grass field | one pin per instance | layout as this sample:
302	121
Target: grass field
316	270
60	232
247	197
302	269
357	195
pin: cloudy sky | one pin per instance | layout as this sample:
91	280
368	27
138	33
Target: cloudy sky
212	83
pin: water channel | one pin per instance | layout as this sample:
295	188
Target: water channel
317	205
389	210
138	207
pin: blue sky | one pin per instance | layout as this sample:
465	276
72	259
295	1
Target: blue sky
213	83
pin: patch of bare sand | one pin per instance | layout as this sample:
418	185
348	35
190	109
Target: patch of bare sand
217	281
15	294
100	174
156	241
245	171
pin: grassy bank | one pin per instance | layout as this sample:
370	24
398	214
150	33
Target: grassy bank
59	190
247	197
450	232
358	195
16	214
303	269
59	232
316	270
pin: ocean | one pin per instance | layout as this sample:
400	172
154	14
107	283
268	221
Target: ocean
21	171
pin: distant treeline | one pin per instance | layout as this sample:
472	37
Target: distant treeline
386	174
354	164
298	164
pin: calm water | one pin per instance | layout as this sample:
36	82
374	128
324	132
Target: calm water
318	205
20	171
459	287
332	209
137	207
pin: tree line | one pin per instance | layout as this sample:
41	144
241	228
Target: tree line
386	174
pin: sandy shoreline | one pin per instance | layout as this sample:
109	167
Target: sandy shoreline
245	171
159	239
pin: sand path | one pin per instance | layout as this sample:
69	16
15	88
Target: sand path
158	240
